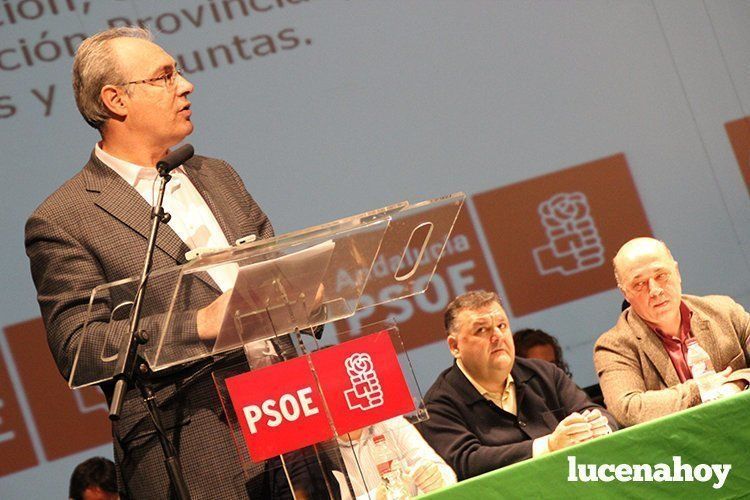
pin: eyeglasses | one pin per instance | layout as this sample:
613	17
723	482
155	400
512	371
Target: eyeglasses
661	278
168	79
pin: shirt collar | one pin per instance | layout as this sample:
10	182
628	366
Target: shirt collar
685	316
366	434
484	392
131	172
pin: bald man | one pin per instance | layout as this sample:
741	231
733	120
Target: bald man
642	360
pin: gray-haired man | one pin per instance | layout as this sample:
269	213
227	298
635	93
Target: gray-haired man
94	229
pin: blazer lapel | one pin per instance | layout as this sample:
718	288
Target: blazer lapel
521	376
701	329
123	202
655	351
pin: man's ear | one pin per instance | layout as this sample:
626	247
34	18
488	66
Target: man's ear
453	346
114	100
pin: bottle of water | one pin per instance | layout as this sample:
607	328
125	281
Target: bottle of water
389	468
702	369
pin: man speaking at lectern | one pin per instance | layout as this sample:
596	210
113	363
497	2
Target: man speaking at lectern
94	230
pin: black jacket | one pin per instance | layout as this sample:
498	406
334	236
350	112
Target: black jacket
475	436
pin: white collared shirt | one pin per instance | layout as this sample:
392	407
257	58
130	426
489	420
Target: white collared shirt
191	218
405	442
507	401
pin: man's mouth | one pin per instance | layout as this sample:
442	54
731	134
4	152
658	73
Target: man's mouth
186	109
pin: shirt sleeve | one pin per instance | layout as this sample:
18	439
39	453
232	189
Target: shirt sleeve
540	447
415	448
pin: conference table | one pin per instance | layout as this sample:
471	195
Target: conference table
713	433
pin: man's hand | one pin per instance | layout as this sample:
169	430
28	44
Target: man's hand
720	378
731	388
211	317
426	475
599	423
709	385
574	429
381	493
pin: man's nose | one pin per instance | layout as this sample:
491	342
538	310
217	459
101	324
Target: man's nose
184	86
496	335
653	288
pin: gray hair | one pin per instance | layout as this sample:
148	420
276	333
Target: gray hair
470	300
94	67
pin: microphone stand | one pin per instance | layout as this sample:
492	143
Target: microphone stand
125	374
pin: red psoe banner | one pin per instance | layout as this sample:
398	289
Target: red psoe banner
362	382
280	408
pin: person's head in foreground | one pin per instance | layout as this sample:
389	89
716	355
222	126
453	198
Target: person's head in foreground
94	479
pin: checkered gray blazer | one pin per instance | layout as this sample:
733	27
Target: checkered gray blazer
94	230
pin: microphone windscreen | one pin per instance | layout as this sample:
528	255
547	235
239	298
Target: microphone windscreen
175	159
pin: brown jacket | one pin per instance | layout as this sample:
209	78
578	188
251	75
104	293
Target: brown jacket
637	377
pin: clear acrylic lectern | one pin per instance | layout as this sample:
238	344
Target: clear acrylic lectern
271	288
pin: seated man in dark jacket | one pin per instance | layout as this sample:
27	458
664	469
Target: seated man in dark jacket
490	410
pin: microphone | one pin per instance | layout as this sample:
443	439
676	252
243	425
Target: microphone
175	159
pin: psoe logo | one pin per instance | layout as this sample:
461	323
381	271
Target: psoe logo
366	392
573	243
676	472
